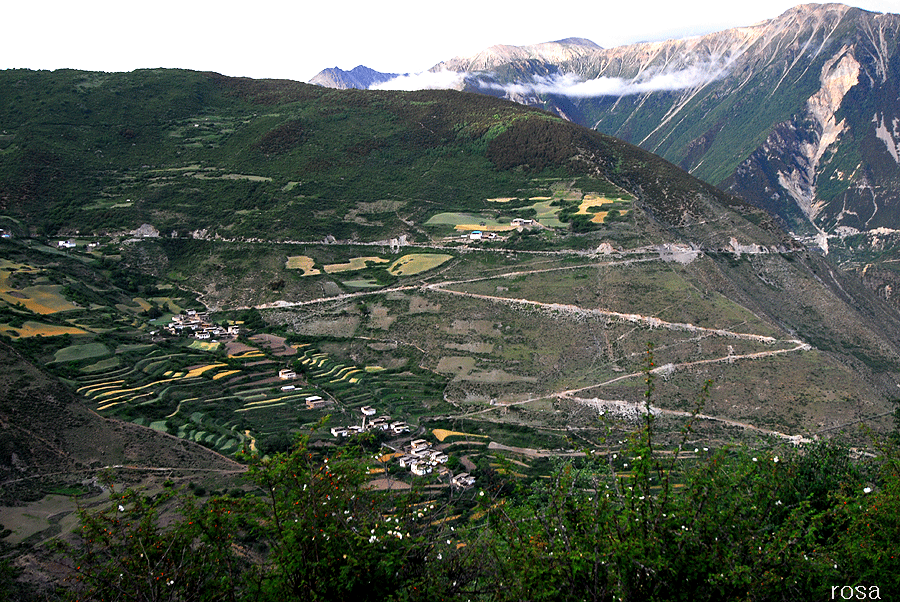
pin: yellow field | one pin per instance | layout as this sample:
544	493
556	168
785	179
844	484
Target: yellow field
105	389
99	386
33	329
302	262
442	434
204	346
416	263
259	407
224	374
356	263
198	371
145	305
41	299
247	354
593	200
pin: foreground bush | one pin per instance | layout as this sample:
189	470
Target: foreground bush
806	523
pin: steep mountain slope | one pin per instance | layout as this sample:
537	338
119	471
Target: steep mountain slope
796	114
560	51
47	436
201	155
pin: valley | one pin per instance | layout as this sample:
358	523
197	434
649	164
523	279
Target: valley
255	286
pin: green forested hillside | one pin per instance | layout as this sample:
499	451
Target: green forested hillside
187	151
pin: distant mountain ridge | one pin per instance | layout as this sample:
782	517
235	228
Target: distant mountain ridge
360	78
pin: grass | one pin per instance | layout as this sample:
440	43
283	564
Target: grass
416	263
467	222
76	353
101	366
362	283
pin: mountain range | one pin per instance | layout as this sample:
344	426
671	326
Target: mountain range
797	114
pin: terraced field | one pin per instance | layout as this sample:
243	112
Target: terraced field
226	402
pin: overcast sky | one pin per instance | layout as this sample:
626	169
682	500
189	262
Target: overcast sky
295	40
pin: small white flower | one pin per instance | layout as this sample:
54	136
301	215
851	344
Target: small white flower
481	493
696	450
778	503
867	490
754	458
121	508
775	459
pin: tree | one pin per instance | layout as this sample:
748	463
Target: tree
139	548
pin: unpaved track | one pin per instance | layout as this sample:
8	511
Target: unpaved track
794	345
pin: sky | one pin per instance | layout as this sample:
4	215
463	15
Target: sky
287	39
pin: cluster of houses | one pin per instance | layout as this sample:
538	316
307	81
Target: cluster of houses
421	459
418	457
71	244
383	423
198	326
313	402
518	222
479	235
